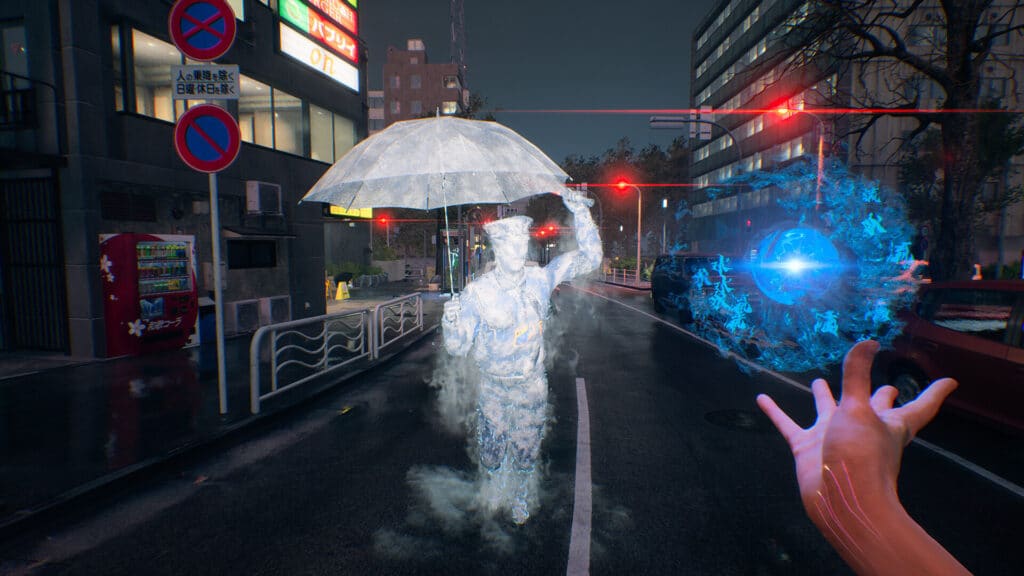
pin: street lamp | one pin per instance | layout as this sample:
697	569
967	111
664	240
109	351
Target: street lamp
622	184
677	122
783	112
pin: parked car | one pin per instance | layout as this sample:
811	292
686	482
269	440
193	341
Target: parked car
970	331
672	276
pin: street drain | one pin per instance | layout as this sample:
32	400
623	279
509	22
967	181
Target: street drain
740	420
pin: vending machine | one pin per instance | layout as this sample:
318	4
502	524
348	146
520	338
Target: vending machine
149	291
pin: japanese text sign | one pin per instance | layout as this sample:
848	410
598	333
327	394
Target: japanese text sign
205	82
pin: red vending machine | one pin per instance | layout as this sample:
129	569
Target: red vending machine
149	291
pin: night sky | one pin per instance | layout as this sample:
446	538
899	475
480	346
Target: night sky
556	54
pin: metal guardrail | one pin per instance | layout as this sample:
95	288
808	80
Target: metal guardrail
394	319
623	276
303	350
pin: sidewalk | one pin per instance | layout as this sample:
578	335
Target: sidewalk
74	426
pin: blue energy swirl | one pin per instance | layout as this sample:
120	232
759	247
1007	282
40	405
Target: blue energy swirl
831	271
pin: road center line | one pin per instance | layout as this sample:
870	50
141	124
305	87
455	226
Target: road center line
964	463
579	542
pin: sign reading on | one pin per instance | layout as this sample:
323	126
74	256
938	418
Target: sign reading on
205	82
324	61
202	29
207	138
308	21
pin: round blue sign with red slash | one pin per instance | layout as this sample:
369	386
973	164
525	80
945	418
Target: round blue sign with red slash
207	138
202	29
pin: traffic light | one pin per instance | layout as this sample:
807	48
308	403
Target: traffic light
621	183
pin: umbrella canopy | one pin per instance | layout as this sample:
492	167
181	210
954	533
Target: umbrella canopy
436	162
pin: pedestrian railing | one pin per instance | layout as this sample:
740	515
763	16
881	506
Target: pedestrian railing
396	318
625	277
293	353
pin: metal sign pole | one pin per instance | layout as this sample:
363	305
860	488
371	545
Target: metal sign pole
218	295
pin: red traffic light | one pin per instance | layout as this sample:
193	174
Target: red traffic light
621	183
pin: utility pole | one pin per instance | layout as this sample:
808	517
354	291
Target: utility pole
457	50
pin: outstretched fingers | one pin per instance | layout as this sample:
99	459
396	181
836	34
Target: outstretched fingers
783	423
884	398
921	410
857	371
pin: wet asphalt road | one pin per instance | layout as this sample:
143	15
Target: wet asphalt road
687	478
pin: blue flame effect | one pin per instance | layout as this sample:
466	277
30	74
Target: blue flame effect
825	277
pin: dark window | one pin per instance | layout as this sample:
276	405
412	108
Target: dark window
982	313
252	254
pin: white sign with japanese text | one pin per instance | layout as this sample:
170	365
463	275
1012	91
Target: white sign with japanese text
205	82
318	58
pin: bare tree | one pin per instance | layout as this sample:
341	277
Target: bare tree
900	54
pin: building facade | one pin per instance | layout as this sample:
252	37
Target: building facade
414	87
747	65
90	153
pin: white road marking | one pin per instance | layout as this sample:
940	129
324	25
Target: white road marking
964	463
579	543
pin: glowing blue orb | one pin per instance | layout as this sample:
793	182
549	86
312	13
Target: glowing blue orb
795	263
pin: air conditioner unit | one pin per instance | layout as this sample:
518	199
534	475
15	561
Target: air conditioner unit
275	310
242	317
262	197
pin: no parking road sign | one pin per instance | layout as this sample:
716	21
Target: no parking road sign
202	29
207	138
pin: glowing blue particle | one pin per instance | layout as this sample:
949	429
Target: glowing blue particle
827	322
872	225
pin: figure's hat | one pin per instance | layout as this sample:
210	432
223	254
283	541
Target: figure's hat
511	226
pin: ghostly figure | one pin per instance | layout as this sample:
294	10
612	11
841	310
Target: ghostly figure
499	317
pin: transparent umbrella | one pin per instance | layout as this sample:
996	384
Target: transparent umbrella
438	162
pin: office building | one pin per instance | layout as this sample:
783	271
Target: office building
88	153
415	87
745	59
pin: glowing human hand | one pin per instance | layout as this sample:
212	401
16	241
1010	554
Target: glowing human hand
848	462
575	201
451	310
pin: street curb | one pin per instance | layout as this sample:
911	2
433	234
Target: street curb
630	286
73	501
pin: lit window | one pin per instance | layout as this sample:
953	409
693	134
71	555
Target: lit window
287	122
153	60
345	135
115	43
449	107
321	134
450	81
254	112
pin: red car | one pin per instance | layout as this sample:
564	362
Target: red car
970	331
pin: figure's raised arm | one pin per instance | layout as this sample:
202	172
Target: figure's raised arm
588	253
